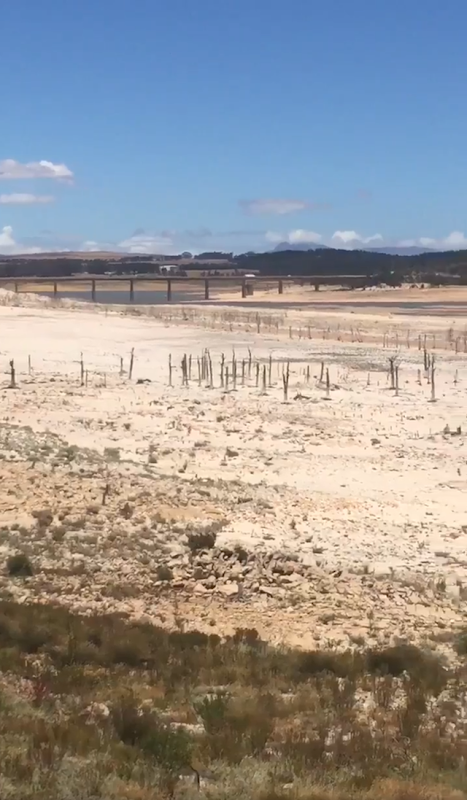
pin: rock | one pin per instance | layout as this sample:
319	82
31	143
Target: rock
453	590
270	591
228	589
199	588
199	574
283	568
231	453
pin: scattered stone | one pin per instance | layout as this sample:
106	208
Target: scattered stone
229	589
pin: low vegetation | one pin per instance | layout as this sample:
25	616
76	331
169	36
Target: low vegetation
102	707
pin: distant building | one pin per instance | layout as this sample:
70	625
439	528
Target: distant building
170	269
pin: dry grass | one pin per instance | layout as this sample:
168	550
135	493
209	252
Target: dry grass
100	707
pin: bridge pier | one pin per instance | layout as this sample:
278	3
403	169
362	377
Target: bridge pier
132	291
244	289
55	290
169	290
281	287
93	291
206	289
16	287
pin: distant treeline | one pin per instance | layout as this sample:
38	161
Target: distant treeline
446	267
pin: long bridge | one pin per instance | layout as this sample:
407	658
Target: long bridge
246	284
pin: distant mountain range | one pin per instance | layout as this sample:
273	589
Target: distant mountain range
391	251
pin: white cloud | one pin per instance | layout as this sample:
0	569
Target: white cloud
24	199
12	170
298	236
456	240
274	206
353	240
8	245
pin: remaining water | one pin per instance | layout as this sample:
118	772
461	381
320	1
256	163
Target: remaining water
147	298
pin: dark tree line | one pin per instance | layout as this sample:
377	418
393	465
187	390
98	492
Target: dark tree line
446	267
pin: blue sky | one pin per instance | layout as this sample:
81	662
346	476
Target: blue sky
156	126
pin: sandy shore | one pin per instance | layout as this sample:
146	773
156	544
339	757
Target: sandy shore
339	515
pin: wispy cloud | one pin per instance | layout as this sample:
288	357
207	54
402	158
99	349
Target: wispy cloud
12	170
143	242
278	206
25	199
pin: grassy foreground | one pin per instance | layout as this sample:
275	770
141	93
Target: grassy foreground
99	707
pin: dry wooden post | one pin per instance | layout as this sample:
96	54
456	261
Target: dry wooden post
86	378
285	382
243	371
234	370
392	371
263	390
457	345
427	364
82	370
424	341
170	369
321	374
368	381
121	366
222	369
397	380
257	374
328	385
211	379
189	367
105	494
199	371
419	342
258	323
270	371
249	363
308	373
408	340
419	378
227	379
29	365
132	361
12	375
455	377
433	390
290	331
184	370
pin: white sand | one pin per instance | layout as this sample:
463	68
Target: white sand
366	482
